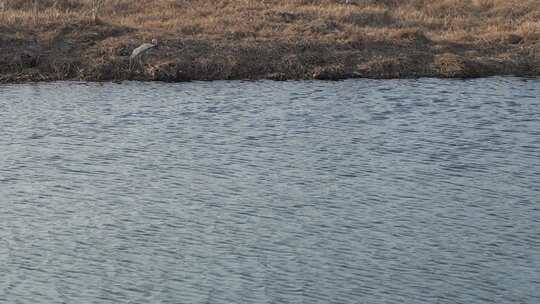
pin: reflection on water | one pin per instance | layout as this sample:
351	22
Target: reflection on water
364	191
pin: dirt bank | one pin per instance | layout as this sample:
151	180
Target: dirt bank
198	40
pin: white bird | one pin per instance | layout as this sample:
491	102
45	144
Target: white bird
143	48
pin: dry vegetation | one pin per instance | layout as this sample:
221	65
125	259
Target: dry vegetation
276	39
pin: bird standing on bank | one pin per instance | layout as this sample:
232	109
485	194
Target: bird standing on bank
139	52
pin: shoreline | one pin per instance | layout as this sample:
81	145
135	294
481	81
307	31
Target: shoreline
17	79
283	40
181	60
191	60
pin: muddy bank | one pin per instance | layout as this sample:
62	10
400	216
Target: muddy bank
100	52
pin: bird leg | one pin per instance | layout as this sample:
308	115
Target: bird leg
135	64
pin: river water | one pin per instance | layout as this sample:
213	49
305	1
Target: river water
358	191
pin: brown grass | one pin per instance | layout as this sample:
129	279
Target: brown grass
276	39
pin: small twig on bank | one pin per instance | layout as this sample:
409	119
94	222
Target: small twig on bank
96	8
36	11
2	9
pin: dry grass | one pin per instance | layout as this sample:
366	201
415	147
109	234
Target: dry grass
278	39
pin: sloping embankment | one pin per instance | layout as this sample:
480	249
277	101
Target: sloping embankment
314	40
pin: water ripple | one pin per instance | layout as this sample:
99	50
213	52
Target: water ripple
359	191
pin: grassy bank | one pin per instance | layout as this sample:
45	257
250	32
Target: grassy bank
275	39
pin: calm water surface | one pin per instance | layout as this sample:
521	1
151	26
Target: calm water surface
412	191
